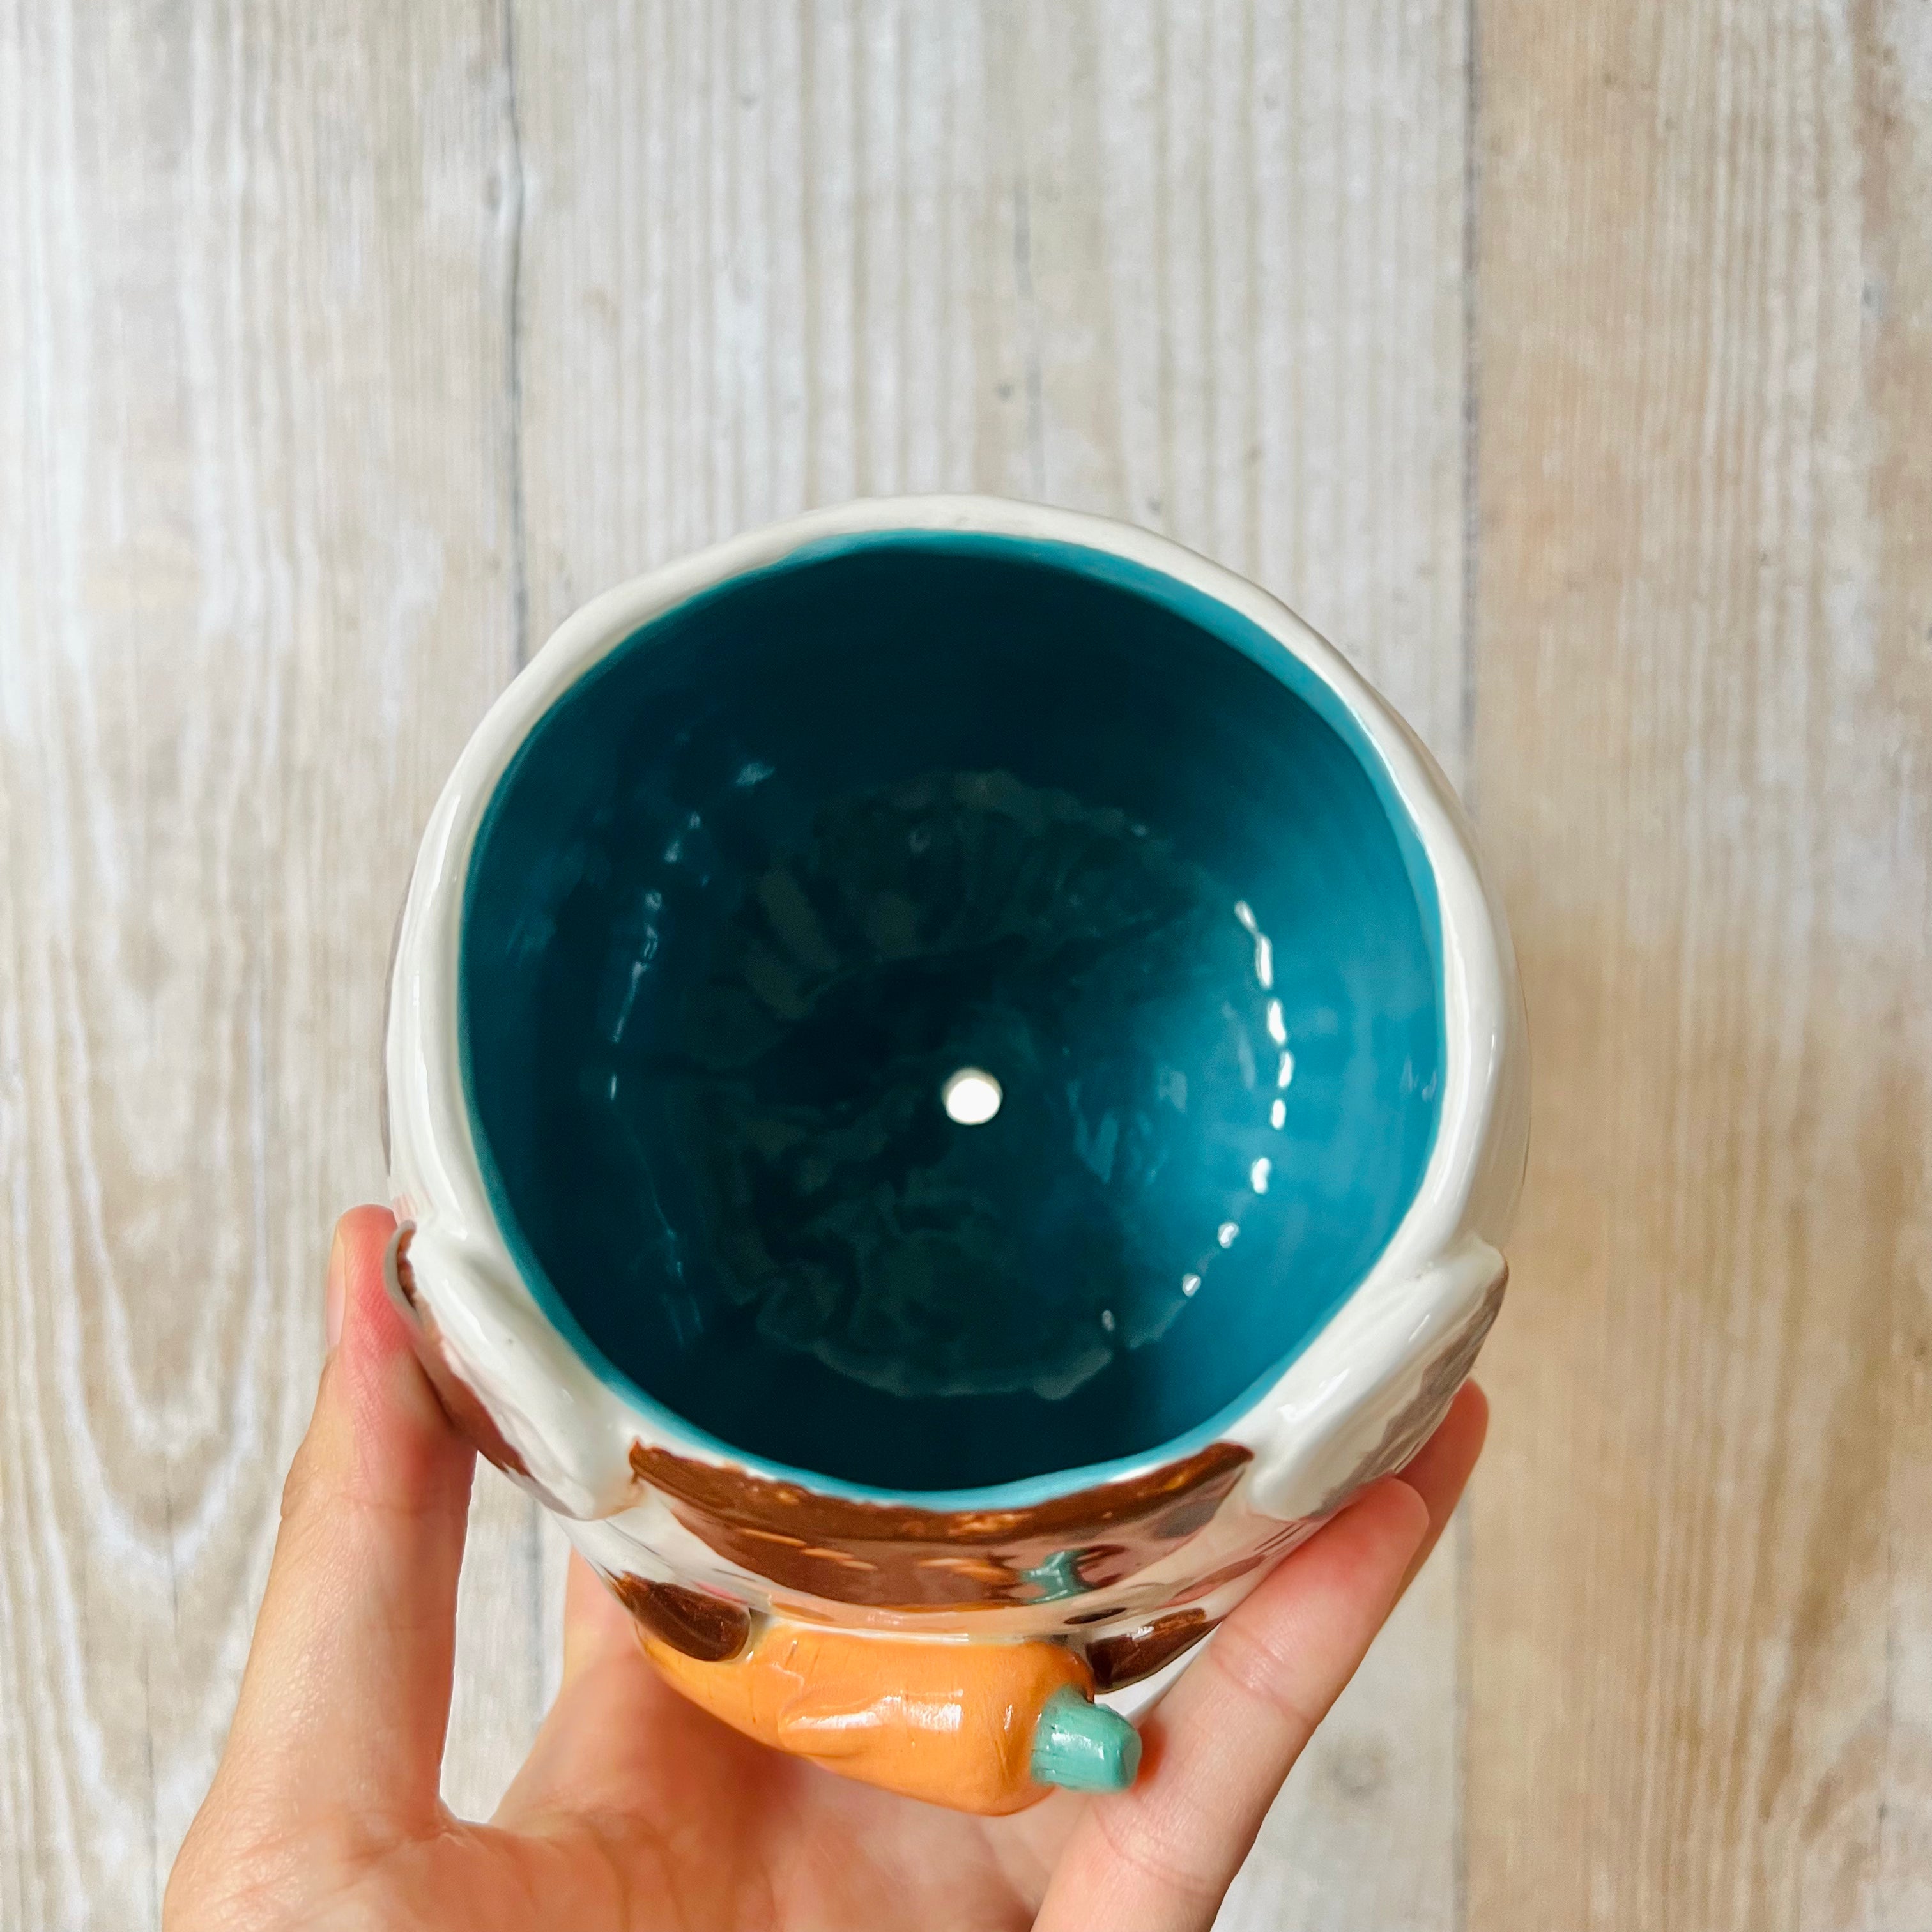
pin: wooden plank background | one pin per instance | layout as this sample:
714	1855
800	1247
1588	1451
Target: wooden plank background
1569	366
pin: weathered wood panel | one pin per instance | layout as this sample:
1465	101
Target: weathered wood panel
1703	758
342	356
255	555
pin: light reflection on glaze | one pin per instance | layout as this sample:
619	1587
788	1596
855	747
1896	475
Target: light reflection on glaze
1264	946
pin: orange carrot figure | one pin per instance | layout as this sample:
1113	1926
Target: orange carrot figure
980	1727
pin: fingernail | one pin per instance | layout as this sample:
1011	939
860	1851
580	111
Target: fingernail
337	1295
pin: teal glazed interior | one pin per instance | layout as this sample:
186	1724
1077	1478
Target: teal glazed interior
805	845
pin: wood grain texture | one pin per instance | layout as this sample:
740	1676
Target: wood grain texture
255	544
1703	759
1197	266
1893	67
342	353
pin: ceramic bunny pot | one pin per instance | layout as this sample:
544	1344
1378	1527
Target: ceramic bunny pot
953	1088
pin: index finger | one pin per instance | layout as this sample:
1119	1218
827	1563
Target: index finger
1160	1856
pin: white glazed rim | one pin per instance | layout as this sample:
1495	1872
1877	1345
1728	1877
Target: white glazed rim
575	1430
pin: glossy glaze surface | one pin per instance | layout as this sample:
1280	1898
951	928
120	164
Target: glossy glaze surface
984	1727
803	847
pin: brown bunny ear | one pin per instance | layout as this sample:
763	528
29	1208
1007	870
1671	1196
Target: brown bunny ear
708	1628
1128	1655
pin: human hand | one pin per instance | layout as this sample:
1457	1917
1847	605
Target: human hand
637	1812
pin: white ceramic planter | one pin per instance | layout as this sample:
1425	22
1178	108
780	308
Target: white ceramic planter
655	1503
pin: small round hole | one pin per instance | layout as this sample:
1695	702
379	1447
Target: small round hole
971	1096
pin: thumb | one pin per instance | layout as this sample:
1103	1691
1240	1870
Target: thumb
346	1697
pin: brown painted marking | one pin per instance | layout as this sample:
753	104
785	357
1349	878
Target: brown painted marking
1132	1654
702	1626
460	1402
897	1555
